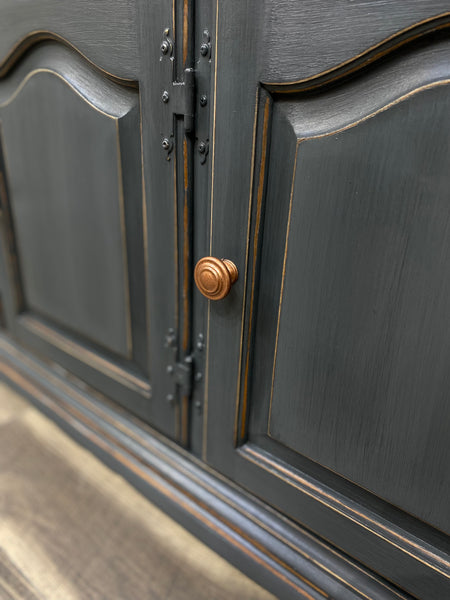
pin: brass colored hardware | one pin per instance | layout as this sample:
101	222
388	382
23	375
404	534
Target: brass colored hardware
215	276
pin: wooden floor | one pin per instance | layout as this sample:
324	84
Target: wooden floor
71	529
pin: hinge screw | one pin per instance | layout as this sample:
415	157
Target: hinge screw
165	144
169	369
170	398
202	147
170	338
203	100
165	96
204	49
198	377
165	46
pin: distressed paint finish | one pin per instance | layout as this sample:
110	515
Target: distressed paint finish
306	458
299	173
77	202
104	31
361	365
300	43
57	244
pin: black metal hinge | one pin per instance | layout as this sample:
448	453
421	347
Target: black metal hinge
203	77
182	375
180	99
177	96
185	373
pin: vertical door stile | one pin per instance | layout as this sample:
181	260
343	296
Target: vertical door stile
185	197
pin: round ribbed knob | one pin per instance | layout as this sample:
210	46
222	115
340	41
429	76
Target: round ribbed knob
215	276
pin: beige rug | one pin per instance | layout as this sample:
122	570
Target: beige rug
71	529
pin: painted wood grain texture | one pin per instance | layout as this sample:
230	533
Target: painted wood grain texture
374	151
361	371
296	42
65	181
72	529
285	42
302	40
73	183
104	31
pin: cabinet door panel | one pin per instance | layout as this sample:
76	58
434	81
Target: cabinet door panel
330	399
360	372
73	222
70	226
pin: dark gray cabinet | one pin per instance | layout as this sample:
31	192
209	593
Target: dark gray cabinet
300	424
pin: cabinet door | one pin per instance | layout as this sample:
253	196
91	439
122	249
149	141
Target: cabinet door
83	244
328	363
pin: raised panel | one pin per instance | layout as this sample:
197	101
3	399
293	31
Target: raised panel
67	205
73	228
360	377
352	345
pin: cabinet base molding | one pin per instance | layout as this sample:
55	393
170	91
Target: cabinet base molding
278	554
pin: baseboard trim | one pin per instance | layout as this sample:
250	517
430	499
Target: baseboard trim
285	559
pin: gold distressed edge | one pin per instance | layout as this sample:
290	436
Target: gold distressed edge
174	22
315	137
37	36
259	200
145	243
282	283
340	68
208	319
85	355
185	30
349	513
186	279
126	276
252	170
34	72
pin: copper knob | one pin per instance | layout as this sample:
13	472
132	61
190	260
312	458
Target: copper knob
215	276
